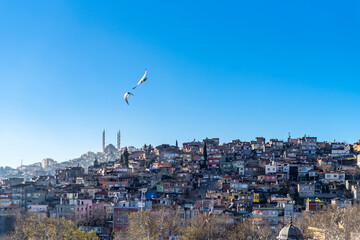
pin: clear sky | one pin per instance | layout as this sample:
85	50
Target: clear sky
228	69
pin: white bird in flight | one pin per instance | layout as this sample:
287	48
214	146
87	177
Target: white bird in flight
126	96
143	79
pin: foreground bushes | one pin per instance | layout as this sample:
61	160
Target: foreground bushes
164	224
33	227
331	224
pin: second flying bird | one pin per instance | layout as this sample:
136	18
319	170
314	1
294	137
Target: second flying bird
128	94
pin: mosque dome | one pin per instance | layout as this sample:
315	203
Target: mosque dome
290	232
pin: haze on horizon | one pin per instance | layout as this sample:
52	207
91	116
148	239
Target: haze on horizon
234	70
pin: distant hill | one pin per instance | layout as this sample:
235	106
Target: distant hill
111	153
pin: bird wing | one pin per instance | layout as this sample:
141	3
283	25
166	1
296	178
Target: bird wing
137	84
144	75
126	96
142	79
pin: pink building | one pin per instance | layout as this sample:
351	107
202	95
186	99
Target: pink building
99	211
82	209
85	210
40	210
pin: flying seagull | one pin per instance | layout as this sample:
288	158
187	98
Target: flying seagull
143	79
126	96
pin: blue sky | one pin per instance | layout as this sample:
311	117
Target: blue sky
234	69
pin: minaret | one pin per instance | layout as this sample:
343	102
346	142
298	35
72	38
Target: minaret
118	140
103	141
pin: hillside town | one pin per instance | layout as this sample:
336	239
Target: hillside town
267	182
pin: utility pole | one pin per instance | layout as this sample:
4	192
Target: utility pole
142	199
142	204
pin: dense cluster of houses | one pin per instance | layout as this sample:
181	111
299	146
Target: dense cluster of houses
263	182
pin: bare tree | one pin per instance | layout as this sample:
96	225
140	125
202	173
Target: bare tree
159	224
207	226
31	226
334	223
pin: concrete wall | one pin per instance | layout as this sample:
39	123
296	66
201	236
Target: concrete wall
6	224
